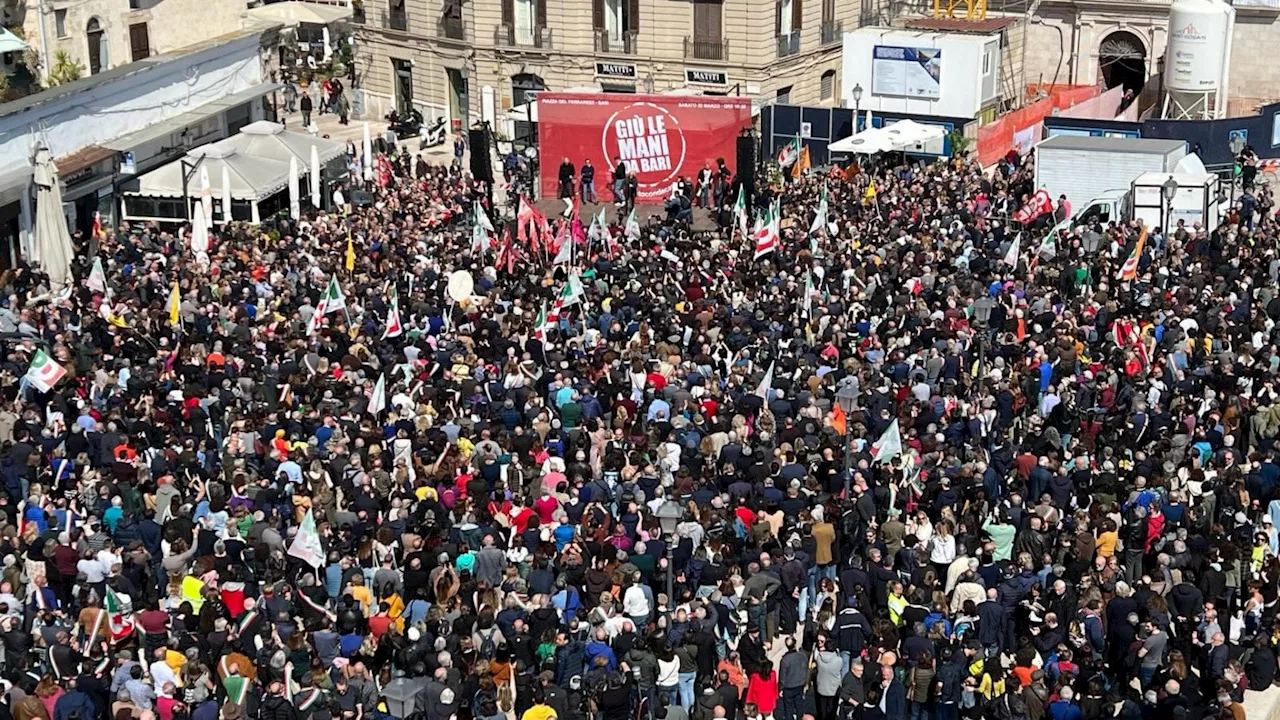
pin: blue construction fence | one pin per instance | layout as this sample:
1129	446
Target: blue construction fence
1211	139
818	127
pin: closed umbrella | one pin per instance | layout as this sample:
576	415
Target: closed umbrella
367	147
328	50
315	177
294	192
206	192
199	229
52	246
226	195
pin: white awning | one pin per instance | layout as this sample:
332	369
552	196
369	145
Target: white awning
10	42
271	140
191	117
904	135
294	13
252	178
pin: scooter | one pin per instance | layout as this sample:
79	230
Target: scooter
434	135
405	125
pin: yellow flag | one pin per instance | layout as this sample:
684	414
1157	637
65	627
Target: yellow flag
175	305
351	254
117	320
870	193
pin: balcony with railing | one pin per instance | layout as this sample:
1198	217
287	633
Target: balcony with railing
832	32
396	19
510	36
789	44
451	28
624	45
696	49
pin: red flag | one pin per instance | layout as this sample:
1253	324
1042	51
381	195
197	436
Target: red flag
525	215
544	232
507	252
1038	205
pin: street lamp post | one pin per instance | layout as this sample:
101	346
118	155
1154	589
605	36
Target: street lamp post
1168	191
847	397
1236	143
669	514
857	105
188	169
981	321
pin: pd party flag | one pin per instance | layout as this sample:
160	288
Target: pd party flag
119	621
98	278
44	372
889	446
331	301
789	153
1129	270
306	543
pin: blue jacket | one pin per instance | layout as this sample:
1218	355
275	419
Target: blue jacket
1064	710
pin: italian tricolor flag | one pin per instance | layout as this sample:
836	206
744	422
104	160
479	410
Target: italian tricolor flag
44	372
766	232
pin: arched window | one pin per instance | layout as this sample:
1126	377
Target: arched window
99	58
827	85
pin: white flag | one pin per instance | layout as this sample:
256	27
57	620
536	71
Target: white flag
633	226
306	544
808	295
565	253
378	400
766	384
98	278
889	446
1011	257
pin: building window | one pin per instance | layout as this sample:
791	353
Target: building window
99	59
827	86
139	42
526	21
60	22
783	96
708	35
986	63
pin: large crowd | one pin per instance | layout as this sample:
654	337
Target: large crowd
878	473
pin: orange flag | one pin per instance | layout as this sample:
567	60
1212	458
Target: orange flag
802	163
840	420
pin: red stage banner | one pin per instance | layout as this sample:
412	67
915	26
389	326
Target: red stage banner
659	137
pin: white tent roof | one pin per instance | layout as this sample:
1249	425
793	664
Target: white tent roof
271	140
293	13
902	135
252	178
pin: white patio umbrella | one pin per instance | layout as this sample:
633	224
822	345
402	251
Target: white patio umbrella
315	177
868	124
206	192
52	242
328	49
226	196
295	193
199	229
367	148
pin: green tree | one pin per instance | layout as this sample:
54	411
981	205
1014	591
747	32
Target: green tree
65	69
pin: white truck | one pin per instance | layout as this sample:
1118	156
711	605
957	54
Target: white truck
1198	199
1084	168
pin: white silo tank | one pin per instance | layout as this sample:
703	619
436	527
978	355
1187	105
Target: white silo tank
1196	58
1197	47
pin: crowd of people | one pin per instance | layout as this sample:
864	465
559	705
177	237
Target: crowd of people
878	473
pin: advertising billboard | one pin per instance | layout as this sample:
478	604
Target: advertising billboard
906	72
659	137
